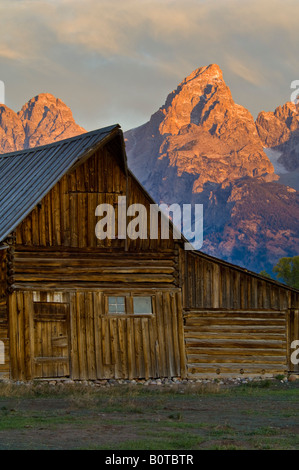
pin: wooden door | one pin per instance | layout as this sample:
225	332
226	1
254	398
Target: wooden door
51	339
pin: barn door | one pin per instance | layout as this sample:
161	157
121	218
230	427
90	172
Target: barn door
51	339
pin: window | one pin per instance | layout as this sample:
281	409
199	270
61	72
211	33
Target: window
142	305
129	304
116	305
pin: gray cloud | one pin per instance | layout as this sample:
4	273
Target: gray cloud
117	61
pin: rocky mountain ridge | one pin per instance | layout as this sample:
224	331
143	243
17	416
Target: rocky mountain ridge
202	147
42	120
200	132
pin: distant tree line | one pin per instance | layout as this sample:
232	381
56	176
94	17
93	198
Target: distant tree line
286	271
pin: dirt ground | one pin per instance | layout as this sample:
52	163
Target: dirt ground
257	416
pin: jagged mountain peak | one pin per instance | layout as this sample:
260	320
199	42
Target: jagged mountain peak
201	132
194	99
275	127
43	119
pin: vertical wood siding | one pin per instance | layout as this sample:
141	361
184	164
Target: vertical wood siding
101	346
66	215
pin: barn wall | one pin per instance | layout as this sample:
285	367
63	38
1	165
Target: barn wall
60	272
57	253
4	337
236	342
208	284
70	333
234	322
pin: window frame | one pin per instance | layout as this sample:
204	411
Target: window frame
117	313
129	304
142	296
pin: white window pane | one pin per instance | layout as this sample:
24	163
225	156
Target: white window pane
142	305
120	308
116	304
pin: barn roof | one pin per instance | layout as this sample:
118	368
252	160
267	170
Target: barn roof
27	176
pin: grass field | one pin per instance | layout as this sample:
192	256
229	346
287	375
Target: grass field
258	415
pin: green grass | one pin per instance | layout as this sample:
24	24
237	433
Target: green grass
165	441
16	420
259	415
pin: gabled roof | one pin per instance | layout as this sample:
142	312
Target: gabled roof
27	176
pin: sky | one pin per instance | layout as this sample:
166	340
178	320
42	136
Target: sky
115	61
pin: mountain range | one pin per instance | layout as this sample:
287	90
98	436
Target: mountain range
201	147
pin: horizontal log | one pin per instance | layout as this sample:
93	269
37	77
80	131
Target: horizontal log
106	252
79	270
238	329
234	352
239	335
236	344
194	369
95	286
234	321
195	311
226	367
237	360
91	262
212	314
149	278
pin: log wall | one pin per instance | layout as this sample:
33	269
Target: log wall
94	268
235	322
236	342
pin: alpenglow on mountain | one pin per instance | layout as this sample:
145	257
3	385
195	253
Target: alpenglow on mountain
44	119
201	147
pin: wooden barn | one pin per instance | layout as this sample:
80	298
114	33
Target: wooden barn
72	305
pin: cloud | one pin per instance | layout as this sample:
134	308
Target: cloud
8	53
249	73
116	60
